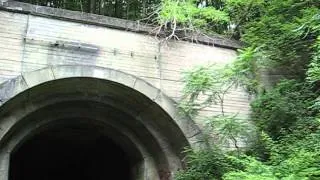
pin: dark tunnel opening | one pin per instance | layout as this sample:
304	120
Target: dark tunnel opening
70	153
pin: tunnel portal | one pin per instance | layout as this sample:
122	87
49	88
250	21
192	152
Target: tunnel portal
90	123
70	151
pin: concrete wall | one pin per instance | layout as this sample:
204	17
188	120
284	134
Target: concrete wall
30	41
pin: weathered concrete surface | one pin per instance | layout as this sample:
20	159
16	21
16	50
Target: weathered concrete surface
31	40
100	20
42	76
56	59
125	104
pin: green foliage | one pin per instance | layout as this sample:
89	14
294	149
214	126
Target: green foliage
210	82
282	37
313	73
243	71
206	165
213	82
226	17
294	157
281	33
300	165
253	170
304	138
241	12
229	128
207	85
185	16
200	80
280	108
185	12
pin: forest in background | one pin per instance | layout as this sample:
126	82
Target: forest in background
125	9
279	37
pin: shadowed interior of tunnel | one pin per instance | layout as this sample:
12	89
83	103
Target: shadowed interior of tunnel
87	128
70	152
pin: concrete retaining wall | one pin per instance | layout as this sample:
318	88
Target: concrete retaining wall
38	37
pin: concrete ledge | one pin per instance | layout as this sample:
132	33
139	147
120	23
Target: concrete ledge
99	20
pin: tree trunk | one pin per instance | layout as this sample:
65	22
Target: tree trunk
92	6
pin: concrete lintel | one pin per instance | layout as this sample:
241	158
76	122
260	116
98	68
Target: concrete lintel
68	71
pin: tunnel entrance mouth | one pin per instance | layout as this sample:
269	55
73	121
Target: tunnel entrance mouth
138	117
70	151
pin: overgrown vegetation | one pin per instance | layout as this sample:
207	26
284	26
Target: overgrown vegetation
282	38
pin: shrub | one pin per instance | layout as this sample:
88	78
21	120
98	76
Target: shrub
280	108
207	164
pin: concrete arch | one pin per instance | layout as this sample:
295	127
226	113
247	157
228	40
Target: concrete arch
145	117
